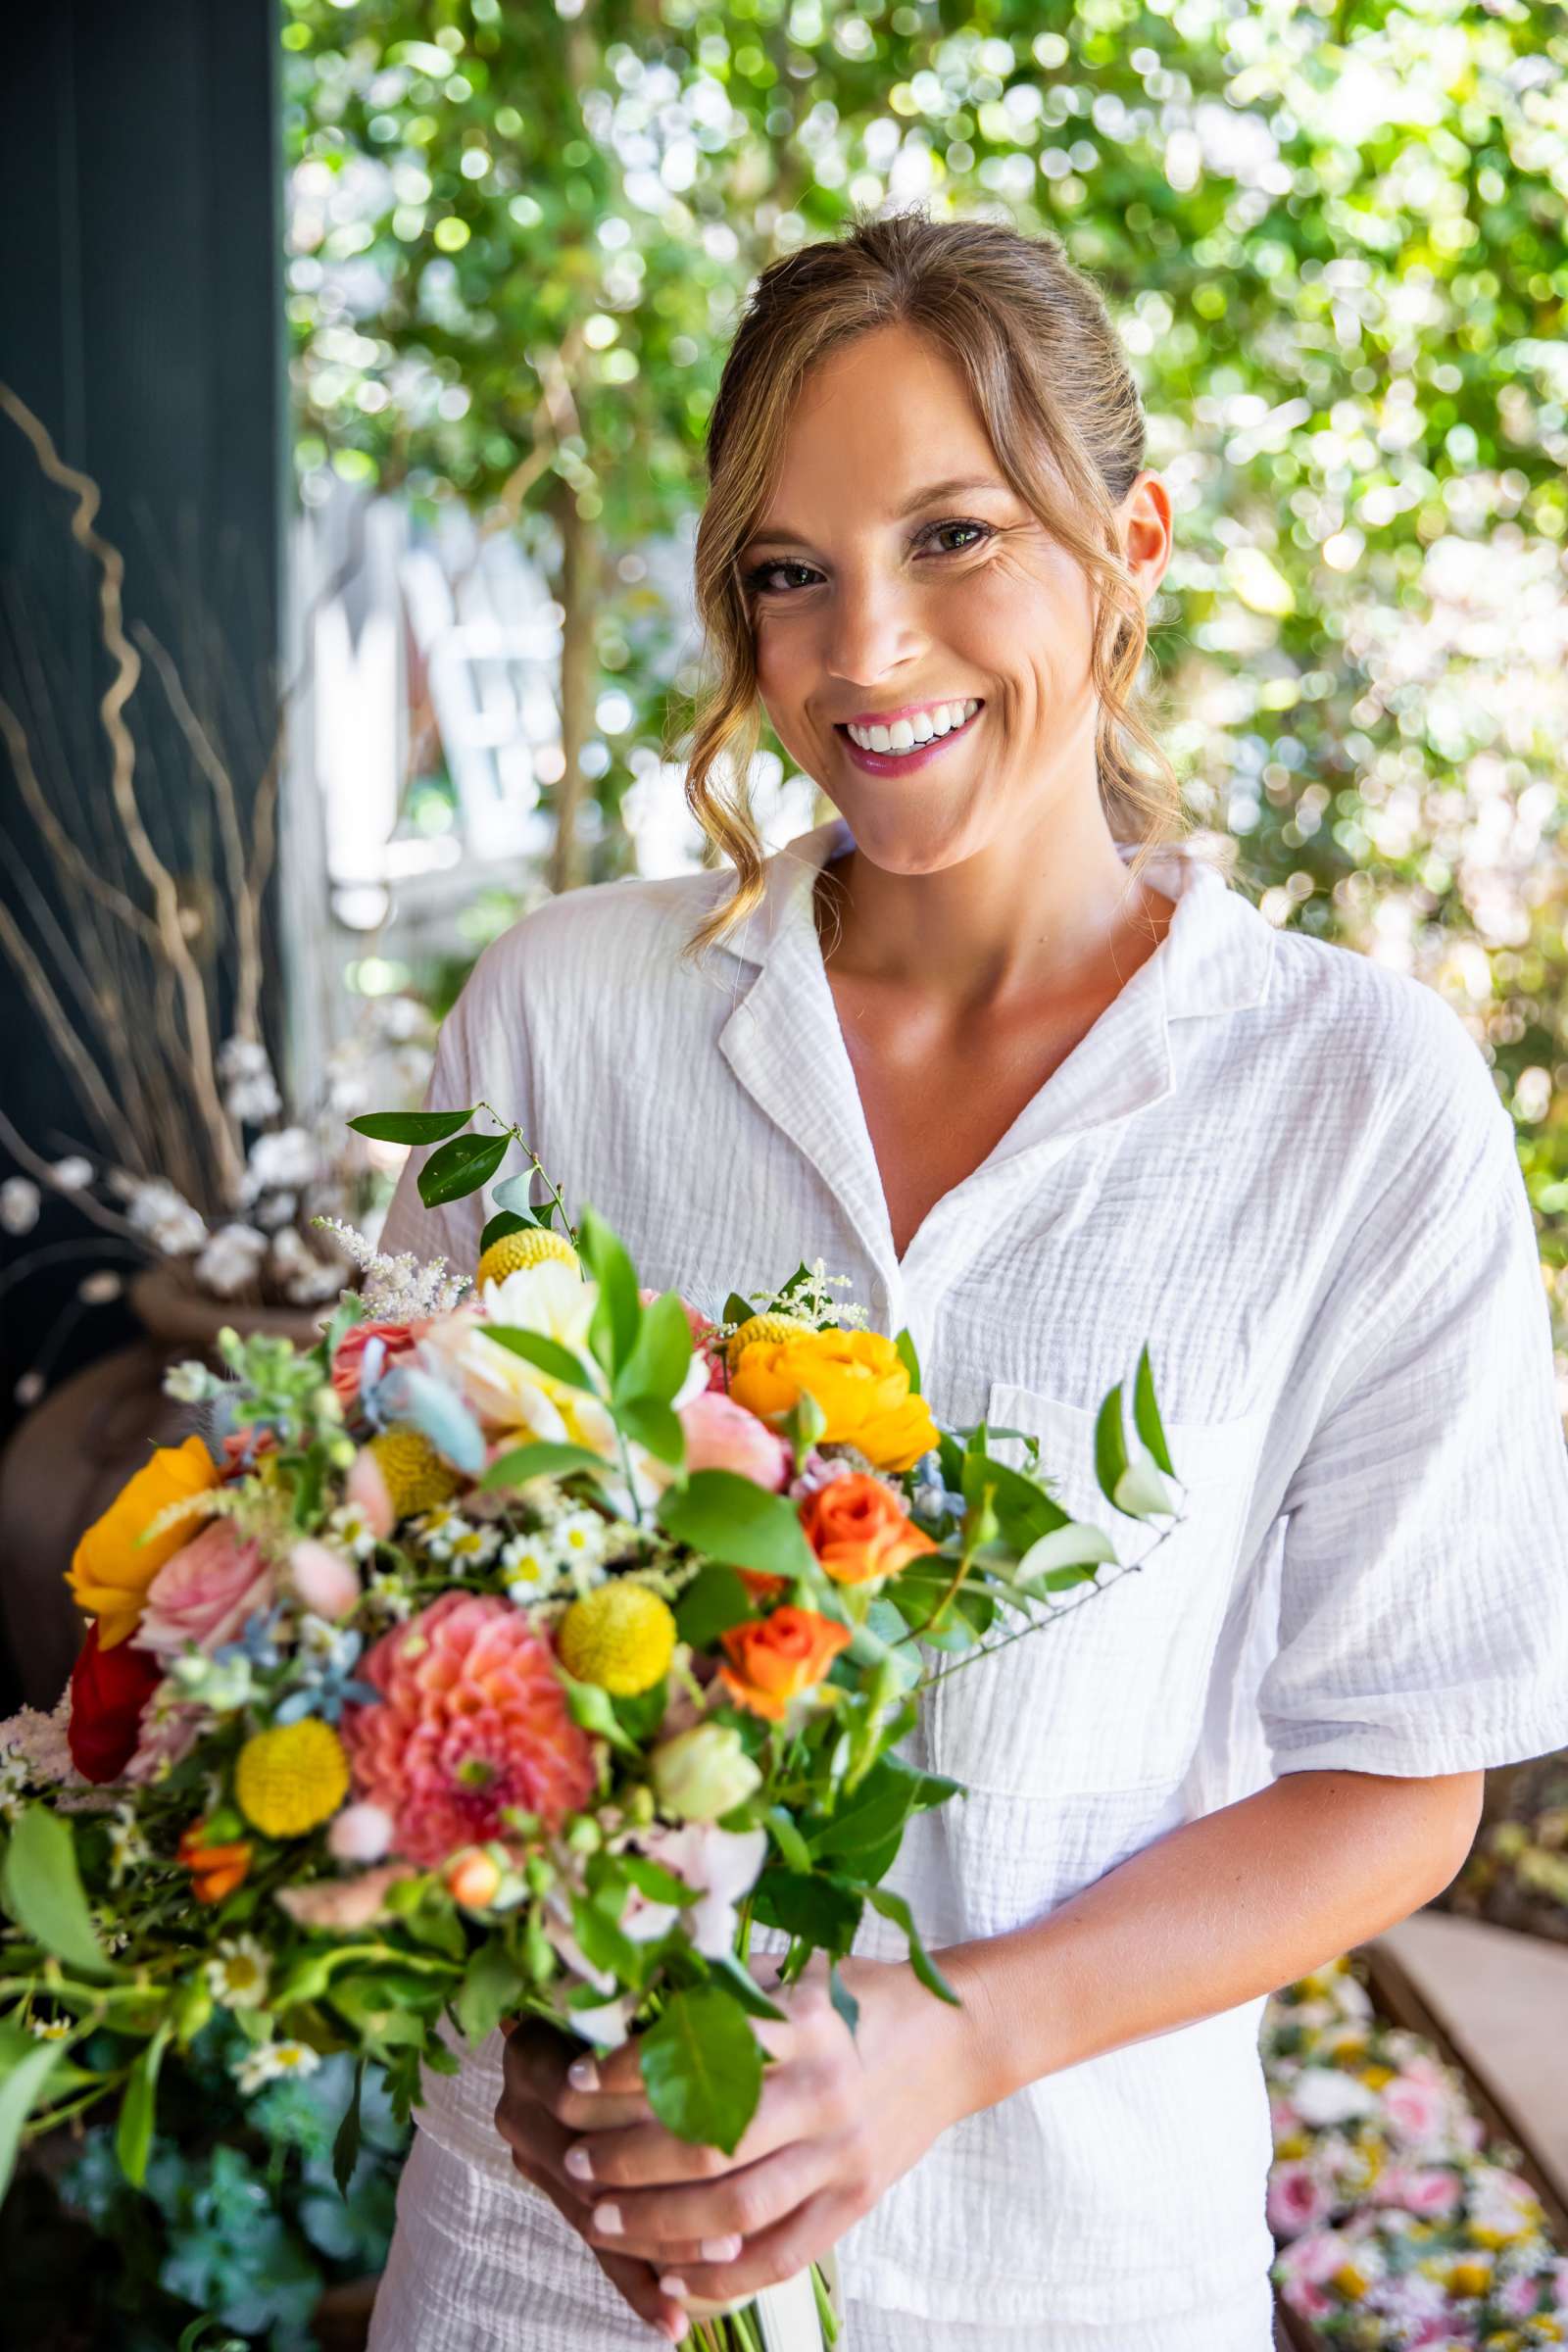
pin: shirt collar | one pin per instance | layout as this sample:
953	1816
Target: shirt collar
783	1042
1217	956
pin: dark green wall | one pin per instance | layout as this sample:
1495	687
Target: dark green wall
140	318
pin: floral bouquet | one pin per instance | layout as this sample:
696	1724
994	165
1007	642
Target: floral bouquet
1396	2223
520	1648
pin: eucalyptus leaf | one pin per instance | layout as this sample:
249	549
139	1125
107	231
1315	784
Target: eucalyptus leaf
26	2065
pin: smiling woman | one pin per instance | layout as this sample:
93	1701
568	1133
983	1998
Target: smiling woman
1003	1049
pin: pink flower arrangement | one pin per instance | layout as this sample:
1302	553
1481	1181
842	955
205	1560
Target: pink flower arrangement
1297	2198
722	1435
204	1593
474	1719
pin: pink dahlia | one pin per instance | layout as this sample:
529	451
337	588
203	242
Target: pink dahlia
473	1718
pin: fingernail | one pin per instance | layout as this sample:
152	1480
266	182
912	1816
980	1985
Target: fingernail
608	2219
678	2328
675	2288
579	2163
720	2250
583	2075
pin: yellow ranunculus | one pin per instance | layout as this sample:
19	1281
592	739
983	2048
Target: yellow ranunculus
111	1569
859	1379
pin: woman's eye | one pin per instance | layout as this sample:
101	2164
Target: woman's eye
764	578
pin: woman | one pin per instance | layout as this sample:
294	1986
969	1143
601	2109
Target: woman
1002	1047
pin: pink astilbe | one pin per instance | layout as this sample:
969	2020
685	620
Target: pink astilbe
474	1719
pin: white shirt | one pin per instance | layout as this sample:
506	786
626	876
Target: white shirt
1286	1168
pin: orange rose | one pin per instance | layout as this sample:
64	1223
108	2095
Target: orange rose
215	1870
777	1658
112	1567
760	1586
858	1530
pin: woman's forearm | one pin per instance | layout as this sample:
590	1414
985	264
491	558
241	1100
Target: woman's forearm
1208	1917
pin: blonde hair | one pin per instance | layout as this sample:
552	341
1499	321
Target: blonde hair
1033	340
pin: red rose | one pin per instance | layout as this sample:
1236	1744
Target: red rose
109	1689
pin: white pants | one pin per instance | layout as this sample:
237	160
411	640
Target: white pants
482	2265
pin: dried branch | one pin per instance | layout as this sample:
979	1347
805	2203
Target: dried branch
123	767
95	1095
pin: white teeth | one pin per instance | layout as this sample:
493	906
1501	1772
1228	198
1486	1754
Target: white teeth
920	727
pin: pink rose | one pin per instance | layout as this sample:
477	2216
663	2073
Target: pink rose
1296	2200
1426	2192
722	1435
1517	2298
204	1593
327	1582
1416	2108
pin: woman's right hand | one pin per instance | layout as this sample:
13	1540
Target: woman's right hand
539	2115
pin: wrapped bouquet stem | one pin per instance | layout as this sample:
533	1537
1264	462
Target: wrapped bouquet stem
509	1653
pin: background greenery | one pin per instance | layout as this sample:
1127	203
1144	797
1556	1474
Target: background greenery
1332	236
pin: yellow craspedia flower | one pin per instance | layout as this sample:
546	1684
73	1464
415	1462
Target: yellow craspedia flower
760	1327
414	1475
859	1379
515	1251
292	1778
1470	2277
112	1568
620	1637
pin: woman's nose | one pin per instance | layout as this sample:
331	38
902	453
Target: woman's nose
873	628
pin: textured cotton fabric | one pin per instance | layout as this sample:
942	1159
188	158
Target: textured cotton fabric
1286	1169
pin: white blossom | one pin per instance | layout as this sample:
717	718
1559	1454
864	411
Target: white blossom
71	1174
287	1158
306	1278
397	1289
231	1259
19	1201
190	1382
165	1217
272	2062
237	1975
250	1101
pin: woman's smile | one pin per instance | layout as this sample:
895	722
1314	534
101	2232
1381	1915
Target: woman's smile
910	740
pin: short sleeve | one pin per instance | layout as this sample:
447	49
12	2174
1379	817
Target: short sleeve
482	1056
1423	1624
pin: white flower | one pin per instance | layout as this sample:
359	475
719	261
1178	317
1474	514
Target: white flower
250	1101
51	2028
128	1849
353	1531
272	2062
307	1279
96	1290
532	1568
165	1217
286	1158
242	1058
1322	2094
579	1536
721	1864
71	1175
230	1259
190	1382
386	1594
461	1544
397	1289
237	1977
19	1205
277	1209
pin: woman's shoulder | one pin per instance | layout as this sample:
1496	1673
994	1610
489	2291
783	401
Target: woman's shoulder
1386	1060
604	937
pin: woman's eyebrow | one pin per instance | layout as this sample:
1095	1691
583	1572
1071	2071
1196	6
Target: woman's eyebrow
777	533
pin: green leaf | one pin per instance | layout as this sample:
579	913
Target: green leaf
618	1313
594	1710
491	1985
713	1601
411	1126
789	1840
1024	1510
603	1944
648	1422
542	1459
825	1911
548	1354
499	1226
843	1999
737	1309
1110	1444
44	1895
134	2135
1079	1546
346	2143
735	1521
870	1814
894	1907
26	2065
1146	1413
908	1359
661	1354
512	1195
460	1167
651	1879
741	1981
702	2069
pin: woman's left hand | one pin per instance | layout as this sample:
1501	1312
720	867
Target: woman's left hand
838	2122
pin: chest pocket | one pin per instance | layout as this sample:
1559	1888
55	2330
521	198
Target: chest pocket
1109	1696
